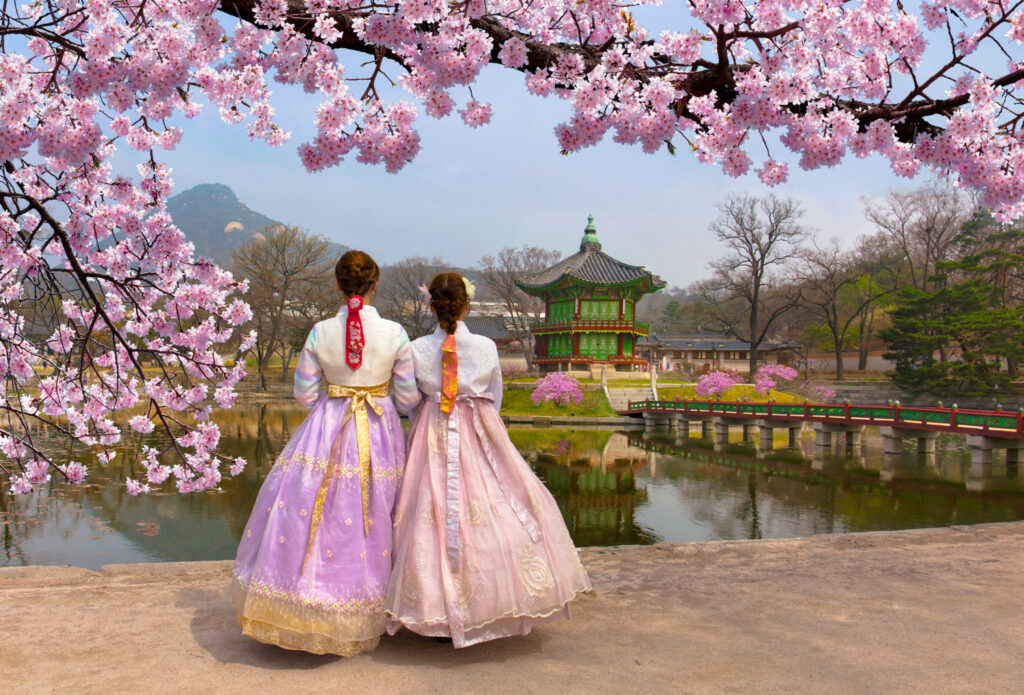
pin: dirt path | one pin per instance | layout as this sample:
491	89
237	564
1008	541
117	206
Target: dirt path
934	611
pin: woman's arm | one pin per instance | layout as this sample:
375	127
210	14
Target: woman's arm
308	373
403	377
494	386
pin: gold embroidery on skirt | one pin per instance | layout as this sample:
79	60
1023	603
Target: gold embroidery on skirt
476	512
534	573
293	626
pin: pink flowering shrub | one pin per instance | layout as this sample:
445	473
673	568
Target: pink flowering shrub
769	375
559	388
822	394
714	384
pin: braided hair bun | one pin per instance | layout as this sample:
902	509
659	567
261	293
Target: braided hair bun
356	272
448	299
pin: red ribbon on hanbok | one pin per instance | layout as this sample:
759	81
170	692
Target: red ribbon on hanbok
354	339
449	374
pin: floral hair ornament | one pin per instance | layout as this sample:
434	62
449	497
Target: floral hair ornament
470	288
354	340
425	292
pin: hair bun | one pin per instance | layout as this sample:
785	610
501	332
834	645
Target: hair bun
356	272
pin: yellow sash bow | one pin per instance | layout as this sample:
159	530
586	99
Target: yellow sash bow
360	398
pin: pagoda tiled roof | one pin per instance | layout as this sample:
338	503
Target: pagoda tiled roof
591	265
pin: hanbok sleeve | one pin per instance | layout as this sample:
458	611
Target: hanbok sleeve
308	373
494	386
403	377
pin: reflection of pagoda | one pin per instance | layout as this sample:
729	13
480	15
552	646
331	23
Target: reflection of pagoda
589	309
596	491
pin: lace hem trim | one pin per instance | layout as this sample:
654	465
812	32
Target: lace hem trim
312	643
409	622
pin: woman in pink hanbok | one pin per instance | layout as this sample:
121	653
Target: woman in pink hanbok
313	564
481	550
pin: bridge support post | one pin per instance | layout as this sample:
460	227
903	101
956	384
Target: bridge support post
850	437
894	436
682	426
705	429
794	436
748	433
981	453
767	437
721	431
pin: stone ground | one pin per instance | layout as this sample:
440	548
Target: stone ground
932	611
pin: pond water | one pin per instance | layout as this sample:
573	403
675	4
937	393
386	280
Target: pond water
613	488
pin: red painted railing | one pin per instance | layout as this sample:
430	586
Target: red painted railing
991	423
589	324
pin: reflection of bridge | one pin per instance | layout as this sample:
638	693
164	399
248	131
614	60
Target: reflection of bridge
838	475
985	429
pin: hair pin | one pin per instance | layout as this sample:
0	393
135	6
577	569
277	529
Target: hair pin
425	292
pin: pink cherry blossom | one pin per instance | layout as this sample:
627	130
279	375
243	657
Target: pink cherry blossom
714	384
558	388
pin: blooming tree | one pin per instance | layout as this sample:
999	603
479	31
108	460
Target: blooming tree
769	375
105	306
714	384
559	388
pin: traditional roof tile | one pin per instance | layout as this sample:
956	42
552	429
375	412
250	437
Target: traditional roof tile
590	265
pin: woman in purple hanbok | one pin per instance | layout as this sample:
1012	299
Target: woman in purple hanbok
481	550
314	561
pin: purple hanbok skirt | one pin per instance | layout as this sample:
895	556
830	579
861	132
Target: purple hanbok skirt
334	605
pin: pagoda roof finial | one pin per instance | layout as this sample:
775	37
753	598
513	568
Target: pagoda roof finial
590	239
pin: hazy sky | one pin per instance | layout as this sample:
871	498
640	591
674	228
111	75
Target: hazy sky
470	192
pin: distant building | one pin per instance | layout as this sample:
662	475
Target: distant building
704	352
589	310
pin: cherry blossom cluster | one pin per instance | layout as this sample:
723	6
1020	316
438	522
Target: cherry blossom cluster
558	388
768	377
714	384
107	315
824	80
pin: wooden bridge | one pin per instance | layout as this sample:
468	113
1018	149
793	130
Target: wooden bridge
985	429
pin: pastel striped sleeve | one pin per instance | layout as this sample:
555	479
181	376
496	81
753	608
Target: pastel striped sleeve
308	373
403	377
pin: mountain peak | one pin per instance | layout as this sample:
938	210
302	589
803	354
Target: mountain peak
216	221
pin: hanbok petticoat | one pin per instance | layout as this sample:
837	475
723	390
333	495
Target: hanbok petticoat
313	564
481	549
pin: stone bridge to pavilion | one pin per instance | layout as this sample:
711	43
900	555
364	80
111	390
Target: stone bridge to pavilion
840	427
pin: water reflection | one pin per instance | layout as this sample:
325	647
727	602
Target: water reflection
612	488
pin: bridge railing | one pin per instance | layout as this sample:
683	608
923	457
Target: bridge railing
999	423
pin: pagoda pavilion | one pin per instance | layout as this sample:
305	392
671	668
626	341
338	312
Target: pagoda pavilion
589	309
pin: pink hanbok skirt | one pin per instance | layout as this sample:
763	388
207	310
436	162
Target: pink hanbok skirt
480	549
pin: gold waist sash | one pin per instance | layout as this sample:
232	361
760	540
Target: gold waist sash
361	398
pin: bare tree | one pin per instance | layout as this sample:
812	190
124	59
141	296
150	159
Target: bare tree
281	263
881	266
398	296
746	295
829	277
924	225
499	273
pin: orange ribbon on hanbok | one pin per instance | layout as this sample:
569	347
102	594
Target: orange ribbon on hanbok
360	398
449	374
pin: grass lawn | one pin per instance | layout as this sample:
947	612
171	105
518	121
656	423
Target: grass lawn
517	402
744	392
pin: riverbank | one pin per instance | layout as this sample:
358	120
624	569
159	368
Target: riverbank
935	610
